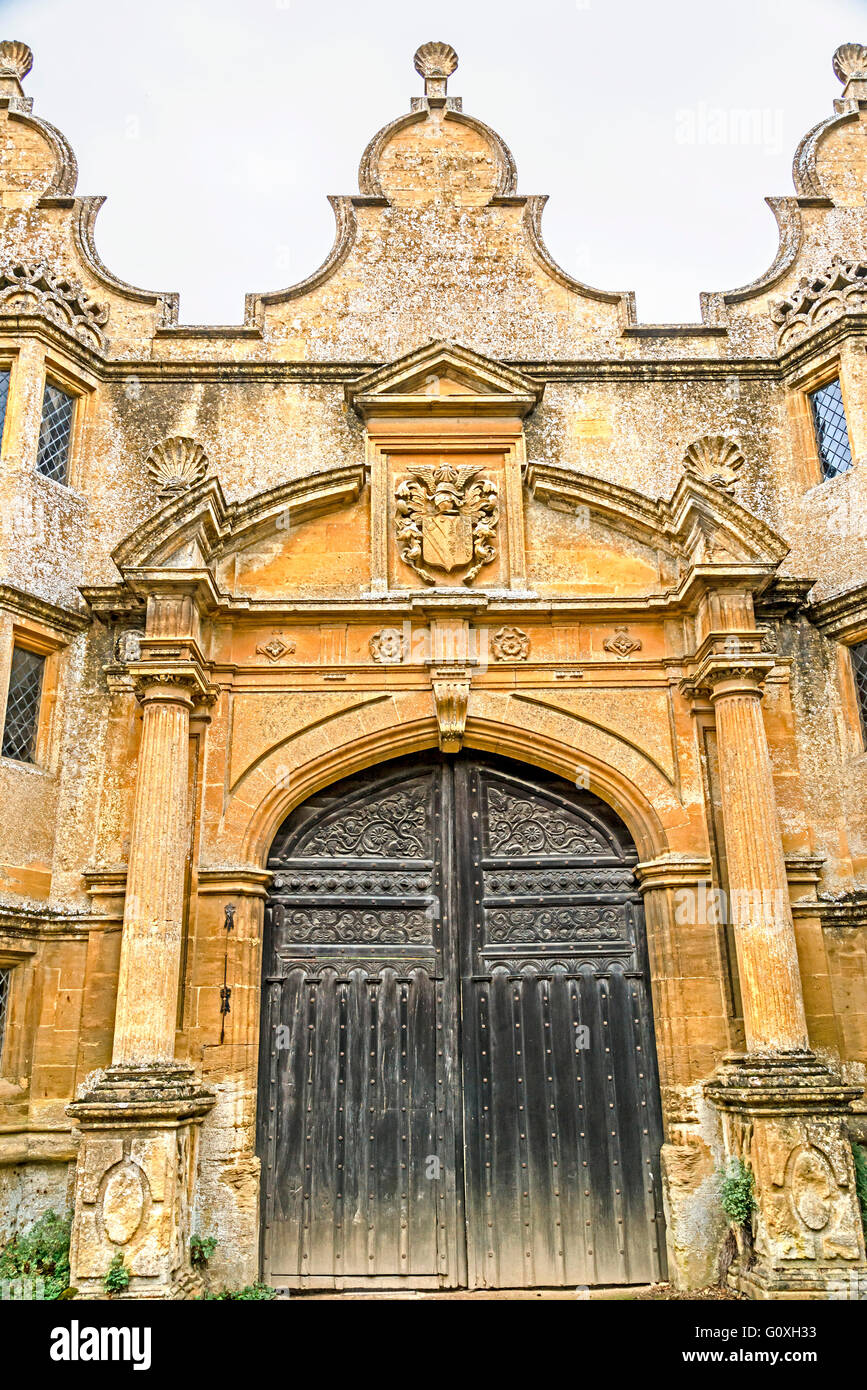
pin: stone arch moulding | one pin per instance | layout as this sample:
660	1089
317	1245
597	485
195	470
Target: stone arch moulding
344	745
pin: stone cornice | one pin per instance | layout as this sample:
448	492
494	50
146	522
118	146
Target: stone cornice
28	606
847	910
843	616
229	370
785	597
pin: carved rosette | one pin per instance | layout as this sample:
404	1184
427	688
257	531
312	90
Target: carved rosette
33	288
388	646
447	517
842	289
621	644
274	648
715	460
510	644
175	464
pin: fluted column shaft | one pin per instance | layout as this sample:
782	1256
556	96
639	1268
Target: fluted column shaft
774	1018
145	1021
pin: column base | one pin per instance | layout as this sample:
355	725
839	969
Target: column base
784	1115
135	1180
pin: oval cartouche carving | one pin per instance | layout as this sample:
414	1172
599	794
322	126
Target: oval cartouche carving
123	1202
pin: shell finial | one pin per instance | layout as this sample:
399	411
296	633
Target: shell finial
16	59
435	62
850	61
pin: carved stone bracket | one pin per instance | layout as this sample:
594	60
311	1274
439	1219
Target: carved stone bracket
451	688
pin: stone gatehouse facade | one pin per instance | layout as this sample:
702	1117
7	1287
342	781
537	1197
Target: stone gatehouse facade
434	843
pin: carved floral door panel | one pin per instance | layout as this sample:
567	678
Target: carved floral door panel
439	933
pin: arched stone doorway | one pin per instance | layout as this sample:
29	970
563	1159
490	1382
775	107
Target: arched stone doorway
458	1077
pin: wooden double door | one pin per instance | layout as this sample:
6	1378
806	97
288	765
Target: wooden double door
458	1077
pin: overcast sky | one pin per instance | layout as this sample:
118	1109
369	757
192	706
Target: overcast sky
216	128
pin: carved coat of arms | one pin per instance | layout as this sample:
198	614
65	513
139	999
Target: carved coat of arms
446	519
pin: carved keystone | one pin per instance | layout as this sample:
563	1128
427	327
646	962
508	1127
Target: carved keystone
451	688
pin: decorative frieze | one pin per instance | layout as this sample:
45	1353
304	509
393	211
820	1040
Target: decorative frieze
33	288
842	289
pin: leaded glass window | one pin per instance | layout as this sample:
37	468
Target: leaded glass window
4	397
859	671
22	705
56	432
829	422
5	991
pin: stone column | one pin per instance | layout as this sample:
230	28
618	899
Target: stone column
139	1122
760	908
783	1110
145	1021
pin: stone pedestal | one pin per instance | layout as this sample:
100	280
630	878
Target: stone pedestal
785	1118
135	1180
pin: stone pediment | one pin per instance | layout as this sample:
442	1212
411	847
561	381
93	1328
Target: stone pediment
200	525
699	524
443	379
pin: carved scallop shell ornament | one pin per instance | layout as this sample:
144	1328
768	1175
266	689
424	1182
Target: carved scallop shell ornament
435	60
850	60
716	460
15	58
177	463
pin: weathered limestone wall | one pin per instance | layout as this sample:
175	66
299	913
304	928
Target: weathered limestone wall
588	420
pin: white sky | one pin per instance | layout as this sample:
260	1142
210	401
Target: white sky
217	127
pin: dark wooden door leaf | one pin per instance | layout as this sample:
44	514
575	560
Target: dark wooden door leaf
458	1075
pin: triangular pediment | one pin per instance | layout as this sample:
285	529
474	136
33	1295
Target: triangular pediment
444	379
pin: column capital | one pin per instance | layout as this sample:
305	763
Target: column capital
722	673
172	682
